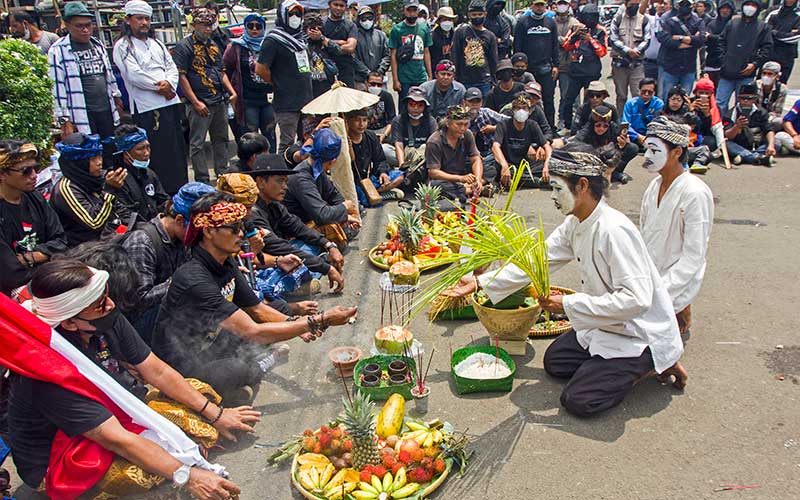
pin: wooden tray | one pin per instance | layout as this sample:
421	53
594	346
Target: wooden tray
557	330
424	266
433	486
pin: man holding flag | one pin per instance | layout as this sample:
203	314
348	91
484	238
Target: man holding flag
74	425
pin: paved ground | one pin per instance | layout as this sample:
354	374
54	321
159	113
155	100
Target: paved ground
735	424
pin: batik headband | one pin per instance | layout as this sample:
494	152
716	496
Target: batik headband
669	131
26	152
446	65
599	114
575	163
221	214
241	186
88	148
458	113
129	141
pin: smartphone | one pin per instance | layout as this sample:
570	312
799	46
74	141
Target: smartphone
623	128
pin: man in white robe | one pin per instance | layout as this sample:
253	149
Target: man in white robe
623	320
676	216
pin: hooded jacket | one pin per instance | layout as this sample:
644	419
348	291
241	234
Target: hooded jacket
744	42
677	61
497	23
372	49
585	57
782	22
538	39
715	27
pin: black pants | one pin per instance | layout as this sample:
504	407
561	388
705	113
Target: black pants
102	124
650	69
629	152
574	90
548	96
165	133
227	365
595	384
786	70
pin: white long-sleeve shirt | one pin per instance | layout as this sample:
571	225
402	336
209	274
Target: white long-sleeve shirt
676	233
623	307
142	64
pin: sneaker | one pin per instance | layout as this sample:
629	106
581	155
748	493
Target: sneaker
698	168
769	161
621	177
716	154
737	160
307	289
274	355
393	194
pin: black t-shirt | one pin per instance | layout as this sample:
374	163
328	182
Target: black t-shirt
93	76
381	113
342	30
37	410
515	142
497	97
418	133
16	221
291	76
201	62
202	294
369	158
255	89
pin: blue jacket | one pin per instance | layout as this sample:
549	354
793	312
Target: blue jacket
638	115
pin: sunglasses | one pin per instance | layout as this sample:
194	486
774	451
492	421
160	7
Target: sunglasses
235	227
376	84
26	171
747	97
255	26
101	306
647	92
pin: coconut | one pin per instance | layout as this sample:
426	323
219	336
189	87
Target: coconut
393	339
404	273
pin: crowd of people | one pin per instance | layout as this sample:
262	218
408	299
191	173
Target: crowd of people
192	288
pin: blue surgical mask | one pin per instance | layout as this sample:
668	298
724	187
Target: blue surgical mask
140	163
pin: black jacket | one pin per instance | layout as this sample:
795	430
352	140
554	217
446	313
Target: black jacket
585	58
442	45
142	193
585	112
501	27
538	39
314	199
85	216
49	235
680	61
281	226
744	42
713	46
783	22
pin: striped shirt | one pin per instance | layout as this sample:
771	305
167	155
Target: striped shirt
69	101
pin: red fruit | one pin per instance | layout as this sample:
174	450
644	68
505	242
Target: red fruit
308	433
397	466
336	444
439	466
368	468
427	462
417	475
405	457
418	454
388	461
309	443
324	429
379	470
317	448
325	440
409	445
337	432
365	476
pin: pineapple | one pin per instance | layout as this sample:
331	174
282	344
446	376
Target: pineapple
428	197
360	423
410	230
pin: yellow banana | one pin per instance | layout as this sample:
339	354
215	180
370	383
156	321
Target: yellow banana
428	441
326	475
438	437
368	487
314	473
414	426
305	480
400	479
335	492
337	480
406	490
376	483
364	495
387	482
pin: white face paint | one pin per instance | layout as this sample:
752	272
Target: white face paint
561	195
655	155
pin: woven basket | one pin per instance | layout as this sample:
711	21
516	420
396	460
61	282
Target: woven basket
554	331
507	324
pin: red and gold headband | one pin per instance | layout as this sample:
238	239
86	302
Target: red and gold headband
221	214
26	152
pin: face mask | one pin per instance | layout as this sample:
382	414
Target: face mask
200	36
367	24
140	163
521	115
767	80
562	196
104	324
631	10
519	72
505	75
411	19
446	25
749	10
415	116
655	155
27	34
374	90
295	22
562	9
477	21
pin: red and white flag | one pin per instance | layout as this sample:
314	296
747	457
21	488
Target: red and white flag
29	347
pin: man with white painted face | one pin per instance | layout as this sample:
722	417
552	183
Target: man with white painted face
676	216
623	319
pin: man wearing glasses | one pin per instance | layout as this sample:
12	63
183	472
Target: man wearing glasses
86	96
750	138
640	111
30	232
380	114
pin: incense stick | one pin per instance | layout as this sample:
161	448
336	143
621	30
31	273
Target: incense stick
425	376
344	382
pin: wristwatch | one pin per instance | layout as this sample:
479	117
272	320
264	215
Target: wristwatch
181	476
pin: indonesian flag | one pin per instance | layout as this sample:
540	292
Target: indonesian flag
29	347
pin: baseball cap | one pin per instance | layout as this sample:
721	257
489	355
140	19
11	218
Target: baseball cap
410	3
473	93
416	94
533	88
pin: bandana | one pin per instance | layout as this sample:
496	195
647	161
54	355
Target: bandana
669	131
129	141
219	215
54	310
446	65
326	147
708	85
26	152
458	113
602	113
253	44
582	164
138	7
187	195
204	16
89	148
241	186
521	100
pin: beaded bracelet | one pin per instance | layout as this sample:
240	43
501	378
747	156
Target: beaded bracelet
219	415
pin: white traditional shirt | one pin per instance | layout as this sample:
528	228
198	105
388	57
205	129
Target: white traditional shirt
142	64
623	307
676	233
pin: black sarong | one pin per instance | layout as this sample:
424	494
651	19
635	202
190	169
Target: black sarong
167	145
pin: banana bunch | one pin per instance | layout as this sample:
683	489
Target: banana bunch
323	482
395	488
422	434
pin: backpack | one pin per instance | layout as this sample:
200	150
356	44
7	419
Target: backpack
406	51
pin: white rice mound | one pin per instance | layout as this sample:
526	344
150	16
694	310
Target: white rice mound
482	366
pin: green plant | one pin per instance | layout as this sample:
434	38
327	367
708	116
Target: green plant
26	99
494	235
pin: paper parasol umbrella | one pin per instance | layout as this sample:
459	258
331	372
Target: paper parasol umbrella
340	99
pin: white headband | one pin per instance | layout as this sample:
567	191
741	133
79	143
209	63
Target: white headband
54	310
135	7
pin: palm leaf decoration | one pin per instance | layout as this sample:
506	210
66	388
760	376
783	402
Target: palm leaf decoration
494	235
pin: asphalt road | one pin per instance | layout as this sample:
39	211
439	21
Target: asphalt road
735	424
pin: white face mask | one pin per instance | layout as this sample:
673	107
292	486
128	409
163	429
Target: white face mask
767	80
749	10
415	116
521	115
374	90
27	34
562	8
446	25
655	155
295	22
562	196
368	24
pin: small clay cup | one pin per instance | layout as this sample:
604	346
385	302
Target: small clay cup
398	367
397	379
372	369
370	381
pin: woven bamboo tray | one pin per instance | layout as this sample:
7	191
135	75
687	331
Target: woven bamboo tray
424	265
556	330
